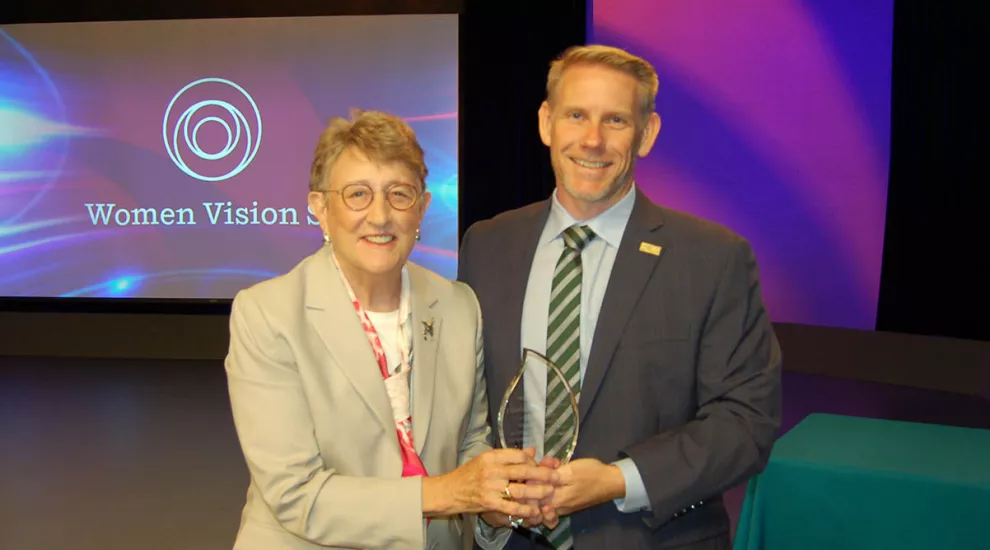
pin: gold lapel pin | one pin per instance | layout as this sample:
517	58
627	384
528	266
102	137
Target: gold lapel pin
427	329
649	248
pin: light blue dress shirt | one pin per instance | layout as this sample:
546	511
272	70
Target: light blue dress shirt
597	259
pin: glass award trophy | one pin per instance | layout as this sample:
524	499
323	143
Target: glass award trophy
514	423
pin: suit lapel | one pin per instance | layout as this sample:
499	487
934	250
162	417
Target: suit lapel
331	313
518	262
426	325
630	273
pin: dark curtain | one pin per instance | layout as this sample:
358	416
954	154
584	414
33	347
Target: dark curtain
506	49
936	272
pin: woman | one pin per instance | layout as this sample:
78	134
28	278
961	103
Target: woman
356	379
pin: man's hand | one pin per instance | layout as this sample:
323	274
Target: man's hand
584	483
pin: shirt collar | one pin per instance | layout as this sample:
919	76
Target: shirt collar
608	226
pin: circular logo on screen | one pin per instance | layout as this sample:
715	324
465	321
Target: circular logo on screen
206	132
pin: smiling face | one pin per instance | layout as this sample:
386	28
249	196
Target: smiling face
376	240
595	129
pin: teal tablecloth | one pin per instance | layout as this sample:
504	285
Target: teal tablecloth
847	483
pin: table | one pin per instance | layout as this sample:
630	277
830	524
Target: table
848	483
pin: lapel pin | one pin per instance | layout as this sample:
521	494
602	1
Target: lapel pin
427	329
650	248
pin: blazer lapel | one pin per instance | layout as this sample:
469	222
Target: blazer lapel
426	324
630	273
331	313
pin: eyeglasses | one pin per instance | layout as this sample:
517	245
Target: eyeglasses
359	196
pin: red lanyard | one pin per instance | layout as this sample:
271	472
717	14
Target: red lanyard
412	465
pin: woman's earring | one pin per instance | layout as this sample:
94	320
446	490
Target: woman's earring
326	239
417	233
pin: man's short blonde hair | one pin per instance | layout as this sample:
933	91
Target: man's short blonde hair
381	136
615	58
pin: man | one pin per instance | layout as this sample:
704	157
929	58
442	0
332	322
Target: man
654	316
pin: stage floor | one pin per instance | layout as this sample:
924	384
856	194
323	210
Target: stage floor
125	455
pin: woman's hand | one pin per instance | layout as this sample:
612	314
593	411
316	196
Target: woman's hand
547	514
481	486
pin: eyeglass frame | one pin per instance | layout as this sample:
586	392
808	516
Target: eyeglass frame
416	195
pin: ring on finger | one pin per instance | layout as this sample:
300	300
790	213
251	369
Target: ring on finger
515	523
506	493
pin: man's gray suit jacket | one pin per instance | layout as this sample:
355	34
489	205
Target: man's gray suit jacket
683	374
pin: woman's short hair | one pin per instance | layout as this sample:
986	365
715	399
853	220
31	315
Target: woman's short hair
381	136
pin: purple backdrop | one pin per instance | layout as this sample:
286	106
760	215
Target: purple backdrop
776	117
